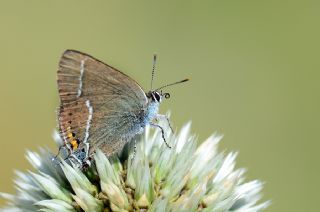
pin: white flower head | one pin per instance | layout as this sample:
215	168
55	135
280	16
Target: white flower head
158	178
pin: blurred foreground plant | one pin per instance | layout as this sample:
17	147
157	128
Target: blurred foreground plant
183	178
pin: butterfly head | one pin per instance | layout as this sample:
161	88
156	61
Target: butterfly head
156	96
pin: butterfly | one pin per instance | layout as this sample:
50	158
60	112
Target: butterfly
101	107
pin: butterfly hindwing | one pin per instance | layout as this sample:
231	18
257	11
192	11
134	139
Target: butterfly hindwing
72	120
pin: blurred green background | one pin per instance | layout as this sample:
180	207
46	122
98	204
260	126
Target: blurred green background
254	67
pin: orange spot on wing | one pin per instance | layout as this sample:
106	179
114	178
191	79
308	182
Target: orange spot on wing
70	135
74	144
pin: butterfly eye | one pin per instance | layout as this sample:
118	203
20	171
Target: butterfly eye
157	96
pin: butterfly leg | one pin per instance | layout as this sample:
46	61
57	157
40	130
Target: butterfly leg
165	117
134	151
162	133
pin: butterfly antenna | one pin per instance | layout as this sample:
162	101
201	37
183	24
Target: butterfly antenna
185	80
153	69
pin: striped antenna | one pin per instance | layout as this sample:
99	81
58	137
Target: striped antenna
185	80
153	69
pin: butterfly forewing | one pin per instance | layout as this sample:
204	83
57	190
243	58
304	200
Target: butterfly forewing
99	104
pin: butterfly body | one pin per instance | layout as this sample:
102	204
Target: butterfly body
100	107
151	113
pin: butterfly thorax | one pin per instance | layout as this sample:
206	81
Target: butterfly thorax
154	99
152	111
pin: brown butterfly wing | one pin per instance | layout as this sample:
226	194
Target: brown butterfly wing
99	104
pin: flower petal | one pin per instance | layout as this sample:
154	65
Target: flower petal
77	179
